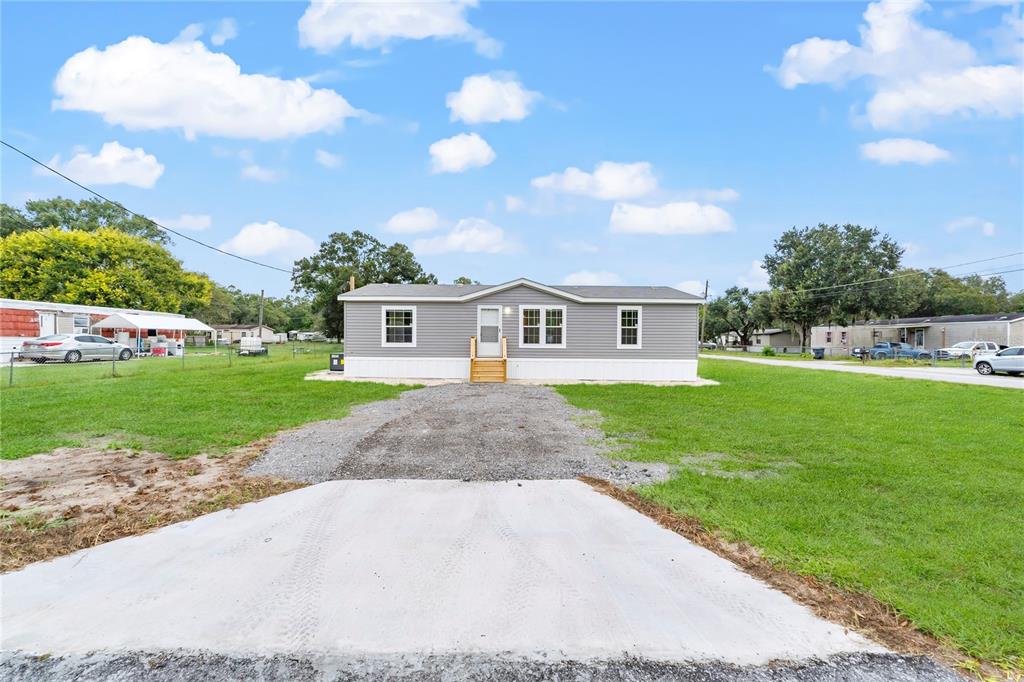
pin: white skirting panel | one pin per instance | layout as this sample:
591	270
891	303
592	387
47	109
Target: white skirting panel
535	369
407	368
607	369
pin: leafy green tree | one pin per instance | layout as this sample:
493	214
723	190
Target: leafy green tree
102	267
738	310
1015	303
326	273
465	280
812	271
87	215
923	293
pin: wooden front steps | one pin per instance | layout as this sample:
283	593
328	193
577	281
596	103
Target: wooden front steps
487	371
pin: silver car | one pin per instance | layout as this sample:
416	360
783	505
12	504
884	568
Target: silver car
74	348
1009	360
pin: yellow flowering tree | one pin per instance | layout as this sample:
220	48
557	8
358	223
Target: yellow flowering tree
100	267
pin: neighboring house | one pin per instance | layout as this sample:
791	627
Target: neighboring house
776	338
21	320
232	333
923	332
521	330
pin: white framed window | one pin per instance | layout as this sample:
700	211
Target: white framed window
542	326
80	323
828	336
398	325
629	327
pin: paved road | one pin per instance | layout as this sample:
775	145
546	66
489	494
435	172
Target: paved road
421	579
949	374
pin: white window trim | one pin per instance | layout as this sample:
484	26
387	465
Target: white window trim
639	327
543	326
384	329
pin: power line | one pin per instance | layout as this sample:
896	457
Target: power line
905	274
877	285
139	215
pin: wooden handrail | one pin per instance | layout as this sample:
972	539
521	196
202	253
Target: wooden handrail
504	348
472	348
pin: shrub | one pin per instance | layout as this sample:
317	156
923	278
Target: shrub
768	350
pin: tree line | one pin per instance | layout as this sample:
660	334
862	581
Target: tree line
95	252
841	274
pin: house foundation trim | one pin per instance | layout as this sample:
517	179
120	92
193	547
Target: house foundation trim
536	369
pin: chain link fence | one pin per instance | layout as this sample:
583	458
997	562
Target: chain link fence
16	369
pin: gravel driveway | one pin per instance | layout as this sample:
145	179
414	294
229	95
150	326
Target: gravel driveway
476	432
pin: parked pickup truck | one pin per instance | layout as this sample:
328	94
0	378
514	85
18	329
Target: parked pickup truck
967	349
885	350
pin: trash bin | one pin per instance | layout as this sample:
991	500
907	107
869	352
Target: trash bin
819	353
337	362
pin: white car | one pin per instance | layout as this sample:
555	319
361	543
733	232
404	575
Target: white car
970	349
1010	360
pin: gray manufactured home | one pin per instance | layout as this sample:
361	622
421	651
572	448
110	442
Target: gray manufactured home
521	330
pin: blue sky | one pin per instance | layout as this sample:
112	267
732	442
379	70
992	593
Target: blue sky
662	143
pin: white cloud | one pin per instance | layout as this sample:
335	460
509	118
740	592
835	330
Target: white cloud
259	173
490	98
896	150
680	217
419	219
592	278
755	278
189	33
190	222
713	196
269	238
369	25
986	227
227	29
577	246
692	286
514	204
610	180
470	235
115	164
460	153
143	85
918	72
976	91
326	158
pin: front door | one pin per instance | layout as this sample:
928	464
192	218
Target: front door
47	324
488	338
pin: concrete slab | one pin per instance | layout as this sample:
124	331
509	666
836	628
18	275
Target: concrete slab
536	569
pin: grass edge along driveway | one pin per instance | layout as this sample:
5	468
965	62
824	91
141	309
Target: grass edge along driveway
906	490
156	405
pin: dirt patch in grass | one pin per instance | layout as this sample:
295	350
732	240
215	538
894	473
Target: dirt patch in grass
74	498
859	612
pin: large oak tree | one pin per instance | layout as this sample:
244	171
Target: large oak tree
326	273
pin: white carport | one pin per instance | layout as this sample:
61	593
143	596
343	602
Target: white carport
173	323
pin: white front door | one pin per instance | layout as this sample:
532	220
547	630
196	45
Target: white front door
47	324
488	337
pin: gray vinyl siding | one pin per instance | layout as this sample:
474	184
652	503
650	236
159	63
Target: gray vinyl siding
669	331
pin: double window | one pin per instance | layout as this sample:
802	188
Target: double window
398	326
630	334
542	326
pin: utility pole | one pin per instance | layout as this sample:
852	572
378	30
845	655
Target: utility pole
261	314
703	311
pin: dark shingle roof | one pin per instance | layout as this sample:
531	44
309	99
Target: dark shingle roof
442	291
946	319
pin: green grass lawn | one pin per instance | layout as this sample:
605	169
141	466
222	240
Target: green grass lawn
156	404
912	491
